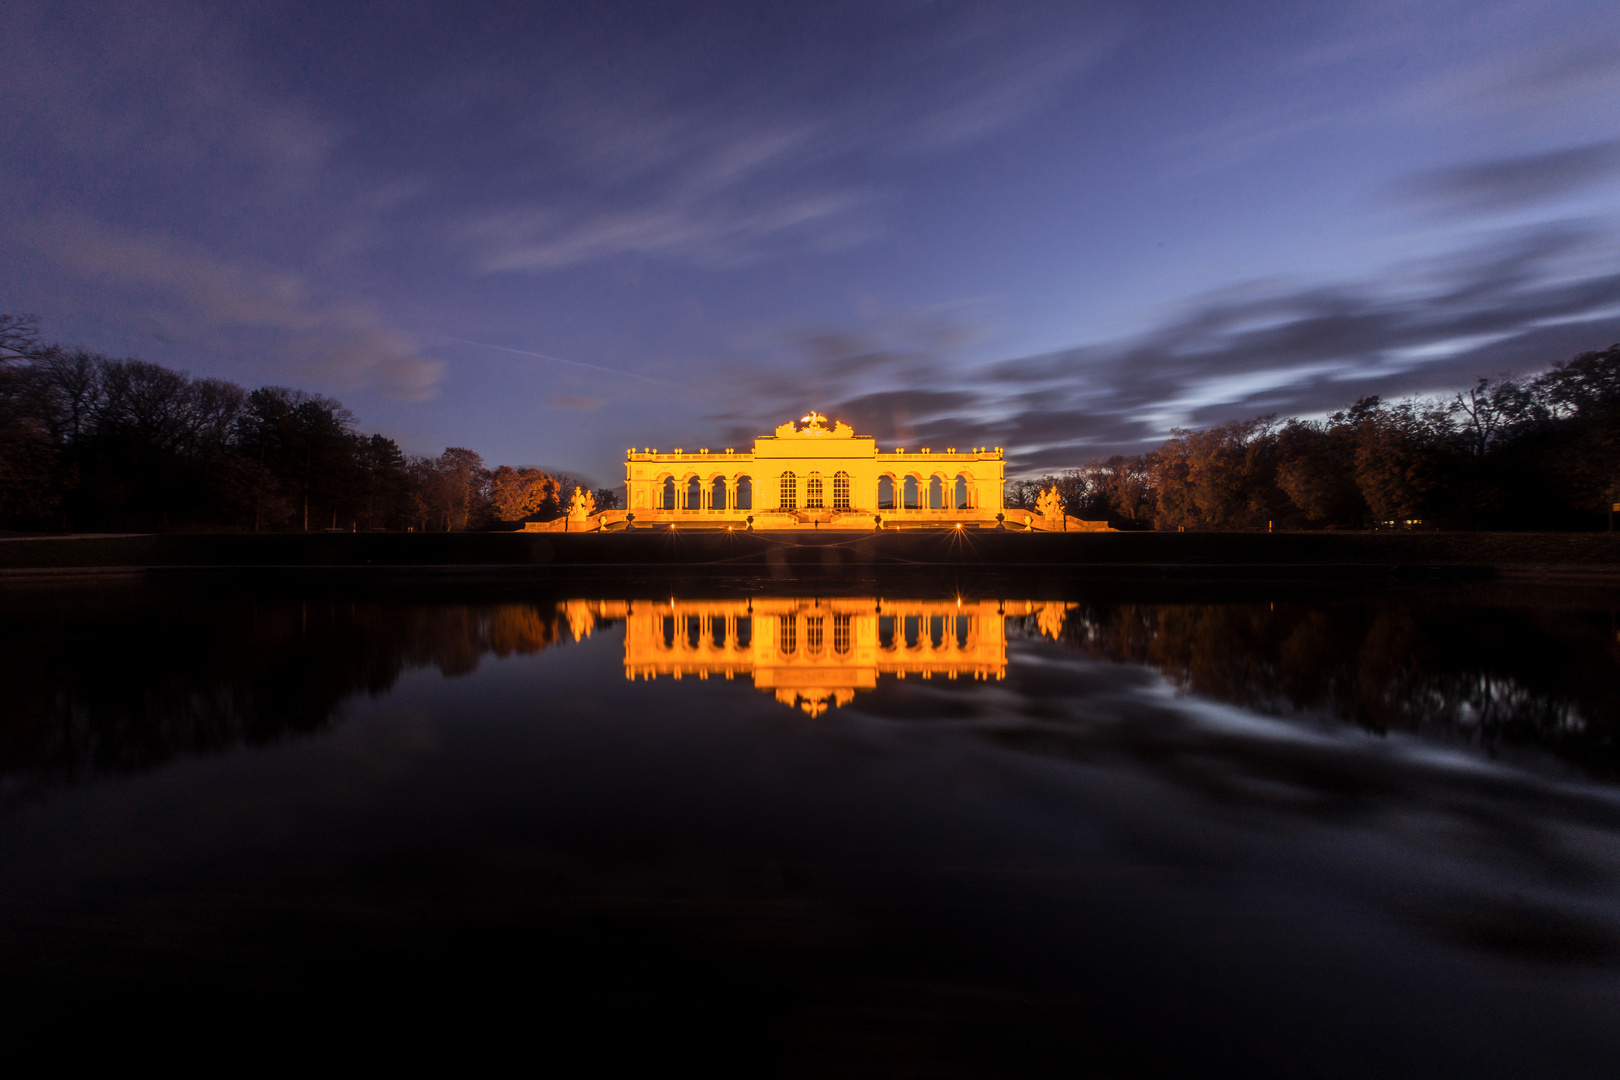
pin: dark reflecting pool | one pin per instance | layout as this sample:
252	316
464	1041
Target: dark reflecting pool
991	828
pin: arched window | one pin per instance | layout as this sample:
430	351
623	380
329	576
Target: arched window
885	493
841	491
908	492
812	492
840	633
694	494
667	501
936	494
717	493
790	491
960	490
789	639
813	639
743	495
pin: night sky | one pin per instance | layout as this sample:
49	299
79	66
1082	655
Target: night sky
549	232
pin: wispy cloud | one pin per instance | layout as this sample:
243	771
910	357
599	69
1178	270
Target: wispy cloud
344	345
1519	300
1511	183
783	160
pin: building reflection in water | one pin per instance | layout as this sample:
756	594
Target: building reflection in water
814	653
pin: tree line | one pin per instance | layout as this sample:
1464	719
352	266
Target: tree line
1541	452
93	443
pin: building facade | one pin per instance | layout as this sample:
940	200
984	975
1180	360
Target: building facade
809	474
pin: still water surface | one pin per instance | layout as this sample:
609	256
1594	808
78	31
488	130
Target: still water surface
960	830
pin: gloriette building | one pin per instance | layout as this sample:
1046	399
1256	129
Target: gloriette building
812	476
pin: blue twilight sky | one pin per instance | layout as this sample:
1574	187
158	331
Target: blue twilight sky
552	231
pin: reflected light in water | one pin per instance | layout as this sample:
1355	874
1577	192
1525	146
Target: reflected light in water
814	653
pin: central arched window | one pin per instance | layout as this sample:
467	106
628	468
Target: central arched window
788	640
812	492
840	633
790	491
694	494
812	634
841	491
960	492
717	494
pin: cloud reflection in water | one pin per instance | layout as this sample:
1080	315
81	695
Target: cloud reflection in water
1123	808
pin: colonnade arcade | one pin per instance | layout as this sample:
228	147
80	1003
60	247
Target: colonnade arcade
817	491
712	492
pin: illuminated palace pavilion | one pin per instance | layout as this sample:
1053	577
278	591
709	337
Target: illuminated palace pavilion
814	653
812	475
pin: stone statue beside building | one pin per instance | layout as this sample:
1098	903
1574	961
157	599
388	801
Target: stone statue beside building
583	506
1049	505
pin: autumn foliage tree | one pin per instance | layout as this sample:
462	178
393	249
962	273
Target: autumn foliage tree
519	494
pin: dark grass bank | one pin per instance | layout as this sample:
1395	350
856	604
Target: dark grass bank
1575	555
